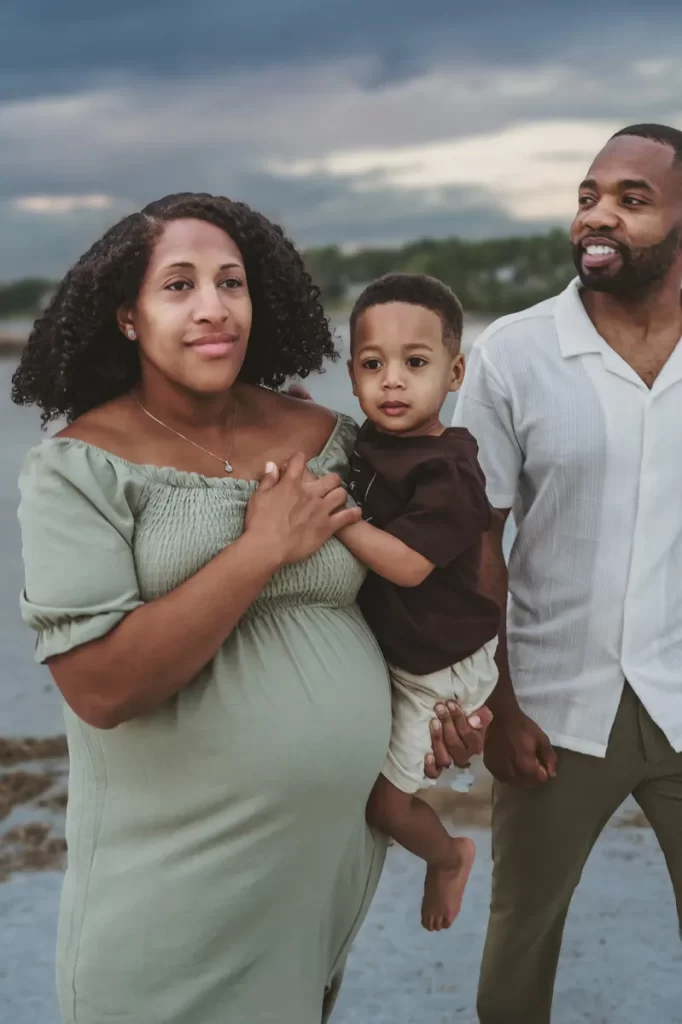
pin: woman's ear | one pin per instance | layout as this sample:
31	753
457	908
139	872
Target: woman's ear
124	319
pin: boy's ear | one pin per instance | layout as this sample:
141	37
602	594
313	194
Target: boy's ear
458	371
349	364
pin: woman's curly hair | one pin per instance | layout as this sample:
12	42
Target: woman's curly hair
76	357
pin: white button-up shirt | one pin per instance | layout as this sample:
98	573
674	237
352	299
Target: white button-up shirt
590	460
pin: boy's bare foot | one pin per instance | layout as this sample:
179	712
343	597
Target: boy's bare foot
444	887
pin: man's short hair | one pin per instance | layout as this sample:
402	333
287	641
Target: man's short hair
662	133
416	290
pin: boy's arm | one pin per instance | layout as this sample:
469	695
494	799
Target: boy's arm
385	555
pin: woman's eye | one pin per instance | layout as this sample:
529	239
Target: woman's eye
371	364
231	282
178	286
416	361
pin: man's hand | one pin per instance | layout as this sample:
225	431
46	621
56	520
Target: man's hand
518	752
454	737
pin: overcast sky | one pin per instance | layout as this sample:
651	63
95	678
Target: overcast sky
349	121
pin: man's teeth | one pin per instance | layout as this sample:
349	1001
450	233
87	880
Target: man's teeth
600	250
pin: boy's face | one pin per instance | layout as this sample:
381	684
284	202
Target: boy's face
402	369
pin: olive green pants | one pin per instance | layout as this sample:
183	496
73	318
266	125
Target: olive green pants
542	838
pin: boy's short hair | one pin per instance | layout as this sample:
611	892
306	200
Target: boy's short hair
417	290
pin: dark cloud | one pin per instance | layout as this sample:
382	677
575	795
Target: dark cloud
50	46
35	246
136	99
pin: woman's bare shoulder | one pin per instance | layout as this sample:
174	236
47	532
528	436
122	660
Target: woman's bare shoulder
308	425
107	426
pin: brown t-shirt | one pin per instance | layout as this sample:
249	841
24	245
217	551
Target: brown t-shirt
430	493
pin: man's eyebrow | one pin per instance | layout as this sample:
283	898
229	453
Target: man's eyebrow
637	183
626	183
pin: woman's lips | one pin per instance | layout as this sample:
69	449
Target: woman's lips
214	345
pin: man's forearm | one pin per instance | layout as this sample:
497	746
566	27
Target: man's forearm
494	583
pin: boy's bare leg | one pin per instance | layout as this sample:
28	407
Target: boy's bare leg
417	827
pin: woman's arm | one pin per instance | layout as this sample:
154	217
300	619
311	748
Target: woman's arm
161	646
385	555
157	649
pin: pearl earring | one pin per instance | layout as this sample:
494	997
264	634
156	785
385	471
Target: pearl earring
131	334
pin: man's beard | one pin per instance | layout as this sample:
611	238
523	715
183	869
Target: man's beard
640	269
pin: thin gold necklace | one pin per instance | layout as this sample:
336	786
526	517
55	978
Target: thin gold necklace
227	465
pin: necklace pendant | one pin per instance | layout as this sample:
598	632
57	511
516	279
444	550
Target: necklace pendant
228	467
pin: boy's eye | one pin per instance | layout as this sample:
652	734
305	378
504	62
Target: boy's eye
371	364
416	361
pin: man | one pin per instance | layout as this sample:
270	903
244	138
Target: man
577	408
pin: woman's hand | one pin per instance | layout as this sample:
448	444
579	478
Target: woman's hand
294	516
454	737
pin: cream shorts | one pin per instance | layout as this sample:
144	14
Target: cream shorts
413	698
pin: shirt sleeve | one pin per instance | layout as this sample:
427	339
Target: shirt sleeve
447	512
484	408
77	528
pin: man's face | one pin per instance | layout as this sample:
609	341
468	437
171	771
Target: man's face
627	233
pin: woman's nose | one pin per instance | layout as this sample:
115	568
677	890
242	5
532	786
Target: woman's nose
210	306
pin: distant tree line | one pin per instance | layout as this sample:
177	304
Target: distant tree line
24	298
500	275
495	276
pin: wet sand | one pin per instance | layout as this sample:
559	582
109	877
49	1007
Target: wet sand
33	799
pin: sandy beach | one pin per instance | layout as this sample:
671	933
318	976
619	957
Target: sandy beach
621	960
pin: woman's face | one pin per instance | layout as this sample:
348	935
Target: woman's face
193	314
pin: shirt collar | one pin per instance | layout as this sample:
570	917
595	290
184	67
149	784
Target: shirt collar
577	334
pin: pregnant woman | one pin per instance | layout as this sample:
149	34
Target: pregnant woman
227	708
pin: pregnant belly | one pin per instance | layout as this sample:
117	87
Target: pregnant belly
296	699
304	689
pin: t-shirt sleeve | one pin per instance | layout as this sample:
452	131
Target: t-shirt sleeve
484	408
448	509
77	529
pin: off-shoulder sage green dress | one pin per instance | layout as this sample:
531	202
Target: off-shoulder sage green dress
219	863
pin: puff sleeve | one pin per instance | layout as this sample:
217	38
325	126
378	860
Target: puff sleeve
77	524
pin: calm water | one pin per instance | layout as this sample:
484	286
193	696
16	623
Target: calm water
15	326
28	702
